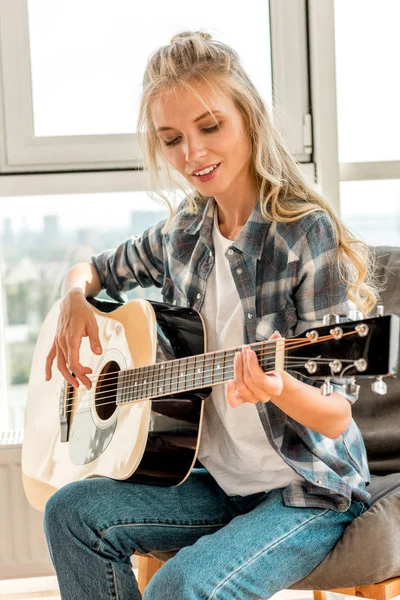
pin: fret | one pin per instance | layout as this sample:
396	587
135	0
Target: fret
149	380
134	385
152	380
186	369
131	390
198	371
207	369
160	376
175	376
168	377
229	360
155	379
180	375
218	367
154	374
190	372
123	386
143	382
265	355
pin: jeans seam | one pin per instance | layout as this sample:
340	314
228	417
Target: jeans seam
115	581
104	532
275	543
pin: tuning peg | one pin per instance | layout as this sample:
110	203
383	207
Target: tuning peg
330	319
379	386
380	309
352	388
355	315
327	388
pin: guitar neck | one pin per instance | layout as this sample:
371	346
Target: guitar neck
193	372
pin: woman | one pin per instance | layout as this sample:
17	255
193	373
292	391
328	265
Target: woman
255	250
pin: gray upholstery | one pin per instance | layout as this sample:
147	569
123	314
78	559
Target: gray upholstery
369	550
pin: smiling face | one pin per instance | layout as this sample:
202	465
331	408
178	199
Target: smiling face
192	139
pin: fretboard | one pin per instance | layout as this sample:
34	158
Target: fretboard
189	373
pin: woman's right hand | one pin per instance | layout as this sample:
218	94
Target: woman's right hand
76	320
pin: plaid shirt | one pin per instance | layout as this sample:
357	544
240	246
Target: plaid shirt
287	279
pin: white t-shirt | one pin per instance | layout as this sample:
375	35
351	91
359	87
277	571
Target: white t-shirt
234	447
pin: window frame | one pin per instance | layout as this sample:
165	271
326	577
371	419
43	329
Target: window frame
33	166
22	152
329	171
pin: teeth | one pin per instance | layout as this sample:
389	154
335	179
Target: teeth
206	170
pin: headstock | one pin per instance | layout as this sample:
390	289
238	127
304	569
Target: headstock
367	348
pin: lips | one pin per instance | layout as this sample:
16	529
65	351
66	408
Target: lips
205	167
208	176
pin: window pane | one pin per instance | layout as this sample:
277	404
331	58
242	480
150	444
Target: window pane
368	91
88	58
41	239
372	210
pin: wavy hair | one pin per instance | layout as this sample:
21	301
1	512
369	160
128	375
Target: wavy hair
193	57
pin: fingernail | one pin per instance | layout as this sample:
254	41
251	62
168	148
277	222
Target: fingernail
98	350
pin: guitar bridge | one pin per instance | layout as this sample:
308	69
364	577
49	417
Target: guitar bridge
65	414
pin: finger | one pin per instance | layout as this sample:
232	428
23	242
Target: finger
62	367
49	361
244	393
253	376
232	395
262	385
73	362
94	340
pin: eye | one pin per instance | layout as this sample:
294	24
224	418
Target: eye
205	130
213	128
172	142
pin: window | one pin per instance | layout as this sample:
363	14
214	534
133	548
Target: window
371	209
70	89
368	97
71	86
41	240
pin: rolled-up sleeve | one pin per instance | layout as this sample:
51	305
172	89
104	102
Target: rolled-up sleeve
320	289
139	260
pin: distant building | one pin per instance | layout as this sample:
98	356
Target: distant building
51	231
7	236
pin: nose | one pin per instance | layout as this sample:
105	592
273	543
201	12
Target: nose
194	149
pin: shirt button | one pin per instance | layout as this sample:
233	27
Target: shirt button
249	315
230	252
198	296
239	271
174	302
211	254
318	481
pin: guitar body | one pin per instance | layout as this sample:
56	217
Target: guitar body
152	441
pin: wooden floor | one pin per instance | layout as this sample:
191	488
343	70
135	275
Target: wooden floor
46	587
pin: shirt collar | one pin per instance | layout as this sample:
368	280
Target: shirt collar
250	240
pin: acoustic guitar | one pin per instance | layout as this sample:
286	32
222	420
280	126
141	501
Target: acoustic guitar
142	417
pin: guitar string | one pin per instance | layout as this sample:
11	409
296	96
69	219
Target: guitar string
150	380
288	343
88	408
160	368
185	378
205	384
157	368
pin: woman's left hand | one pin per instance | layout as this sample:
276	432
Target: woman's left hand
251	384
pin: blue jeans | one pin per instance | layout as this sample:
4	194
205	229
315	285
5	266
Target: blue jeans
230	547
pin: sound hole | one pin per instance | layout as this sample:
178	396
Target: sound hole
106	390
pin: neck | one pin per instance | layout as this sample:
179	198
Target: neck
231	220
193	372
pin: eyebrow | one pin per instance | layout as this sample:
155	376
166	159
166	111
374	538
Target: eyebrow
208	112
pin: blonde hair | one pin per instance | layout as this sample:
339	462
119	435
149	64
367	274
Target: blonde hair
193	57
